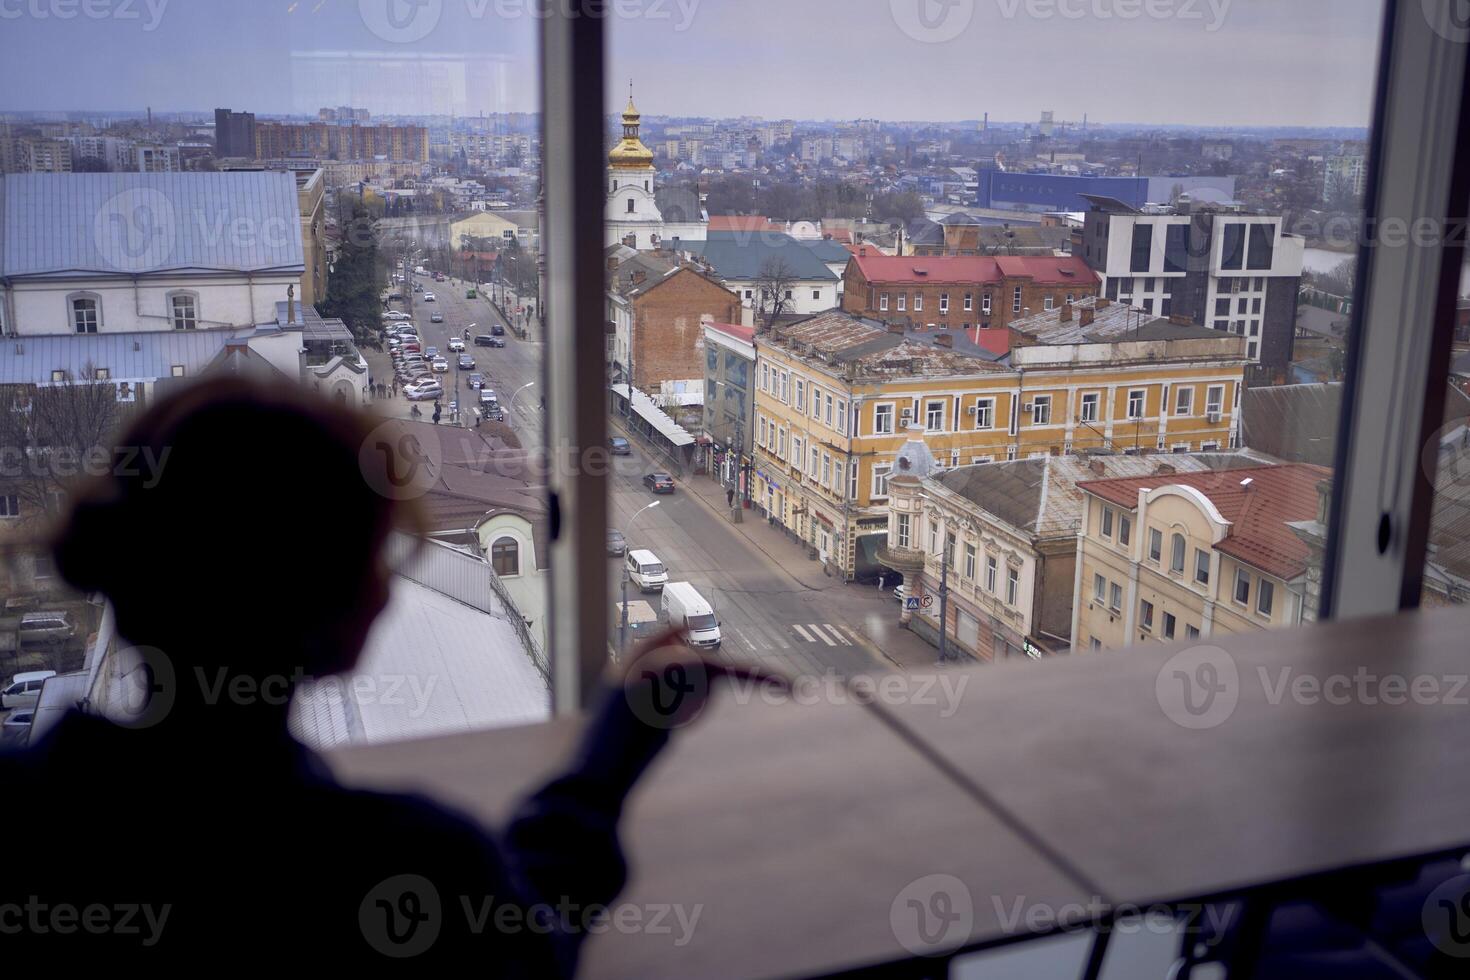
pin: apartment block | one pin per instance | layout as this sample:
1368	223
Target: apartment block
658	310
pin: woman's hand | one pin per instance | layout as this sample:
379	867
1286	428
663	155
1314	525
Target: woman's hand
667	682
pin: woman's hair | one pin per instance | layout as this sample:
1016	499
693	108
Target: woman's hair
239	508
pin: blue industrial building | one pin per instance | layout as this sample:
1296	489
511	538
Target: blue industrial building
1011	191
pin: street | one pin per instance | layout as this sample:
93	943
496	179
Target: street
775	606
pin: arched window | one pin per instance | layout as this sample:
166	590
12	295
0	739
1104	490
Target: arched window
505	557
86	312
630	205
183	310
1176	553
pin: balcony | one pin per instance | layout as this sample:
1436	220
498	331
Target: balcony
906	560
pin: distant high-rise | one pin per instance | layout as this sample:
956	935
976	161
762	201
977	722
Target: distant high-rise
234	133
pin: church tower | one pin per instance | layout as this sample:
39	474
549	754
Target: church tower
632	215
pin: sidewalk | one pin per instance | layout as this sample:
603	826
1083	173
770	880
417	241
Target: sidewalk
773	542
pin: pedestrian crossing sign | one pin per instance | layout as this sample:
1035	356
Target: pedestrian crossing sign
911	603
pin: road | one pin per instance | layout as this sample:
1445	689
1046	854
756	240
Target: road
767	614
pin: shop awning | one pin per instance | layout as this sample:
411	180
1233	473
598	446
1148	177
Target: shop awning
654	416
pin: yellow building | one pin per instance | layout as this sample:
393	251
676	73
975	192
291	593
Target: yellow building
835	395
1182	556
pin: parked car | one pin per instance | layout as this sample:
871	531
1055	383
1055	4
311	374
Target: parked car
487	396
466	362
423	392
617	545
440	365
497	330
24	690
659	482
395	295
619	446
456	344
484	340
436	317
428	297
17	728
432	351
41	628
477	380
396	315
492	412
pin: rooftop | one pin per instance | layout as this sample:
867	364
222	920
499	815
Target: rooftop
1111	323
742	255
972	269
864	349
1258	510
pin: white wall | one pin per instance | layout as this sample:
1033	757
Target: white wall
801	302
38	308
528	589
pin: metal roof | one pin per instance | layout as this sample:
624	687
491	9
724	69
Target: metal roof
141	356
130	224
740	255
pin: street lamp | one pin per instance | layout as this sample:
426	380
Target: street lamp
944	560
511	406
623	627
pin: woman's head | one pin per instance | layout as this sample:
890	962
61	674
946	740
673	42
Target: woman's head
237	529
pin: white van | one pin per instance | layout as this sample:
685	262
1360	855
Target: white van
686	608
24	690
646	571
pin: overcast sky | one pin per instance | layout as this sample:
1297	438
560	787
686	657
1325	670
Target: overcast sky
1206	62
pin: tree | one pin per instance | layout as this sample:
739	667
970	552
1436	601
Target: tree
773	284
904	208
54	434
354	286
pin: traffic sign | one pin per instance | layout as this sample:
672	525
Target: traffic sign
928	601
911	603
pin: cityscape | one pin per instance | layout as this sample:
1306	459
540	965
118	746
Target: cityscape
886	397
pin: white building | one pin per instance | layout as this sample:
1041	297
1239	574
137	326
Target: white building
633	214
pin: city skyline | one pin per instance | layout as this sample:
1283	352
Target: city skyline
1310	64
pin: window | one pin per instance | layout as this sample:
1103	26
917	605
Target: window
1016	300
1048	303
1265	597
630	205
184	311
991	567
1145	614
1184	400
1041	410
880	480
816	294
826	469
765	377
799	390
1115	597
1169	623
1155	544
944	302
796	444
760	431
1202	567
816	460
85	314
1099	589
1191	632
1089	407
1125	529
904	522
9	505
1105	523
883	301
985	304
1143	244
786	387
985	413
838	481
903	300
505	557
883	419
1176	554
1176	248
842	416
969	302
1262	246
1013	582
934	416
1214	400
1242	587
827	417
816	402
918	302
1135	403
970	561
1232	254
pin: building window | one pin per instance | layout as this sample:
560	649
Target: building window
1155	544
1041	410
903	300
86	314
905	523
786	387
827	415
842	416
985	304
800	389
816	459
991	567
1215	400
880	480
1184	401
1242	587
184	311
826	469
816	294
1145	614
934	416
765	377
1265	597
1089	407
1115	597
1176	554
837	478
969	302
1099	589
1169	623
943	302
505	557
816	402
630	205
1106	523
883	301
9	505
985	413
1135	403
970	561
1191	632
882	419
1016	300
1202	567
1013	584
1125	529
1048	303
918	302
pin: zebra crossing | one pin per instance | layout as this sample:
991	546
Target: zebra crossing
802	634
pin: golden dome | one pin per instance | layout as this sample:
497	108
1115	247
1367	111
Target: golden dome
630	153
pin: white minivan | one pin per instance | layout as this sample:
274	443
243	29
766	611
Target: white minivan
646	571
24	690
687	609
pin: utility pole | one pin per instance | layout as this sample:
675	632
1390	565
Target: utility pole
944	558
623	626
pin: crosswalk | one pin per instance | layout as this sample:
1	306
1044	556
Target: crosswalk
802	634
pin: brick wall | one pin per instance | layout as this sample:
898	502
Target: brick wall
862	298
668	340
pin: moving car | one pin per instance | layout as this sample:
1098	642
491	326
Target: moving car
619	446
456	344
428	297
432	351
645	570
497	330
484	340
686	608
491	412
487	396
466	362
659	482
496	342
617	545
477	380
396	315
436	317
440	365
24	690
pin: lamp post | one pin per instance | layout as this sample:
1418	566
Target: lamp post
945	555
623	626
510	407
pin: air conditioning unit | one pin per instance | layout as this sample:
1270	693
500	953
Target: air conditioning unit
973	409
1212	417
1028	408
905	417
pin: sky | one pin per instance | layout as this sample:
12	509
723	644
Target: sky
1192	62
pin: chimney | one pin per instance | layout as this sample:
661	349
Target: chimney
1066	314
1165	469
944	340
1097	468
862	251
1084	316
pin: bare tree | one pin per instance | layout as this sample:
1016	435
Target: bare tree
773	284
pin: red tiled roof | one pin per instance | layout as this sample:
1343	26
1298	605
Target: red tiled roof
735	330
997	340
741	222
840	235
1258	513
969	269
